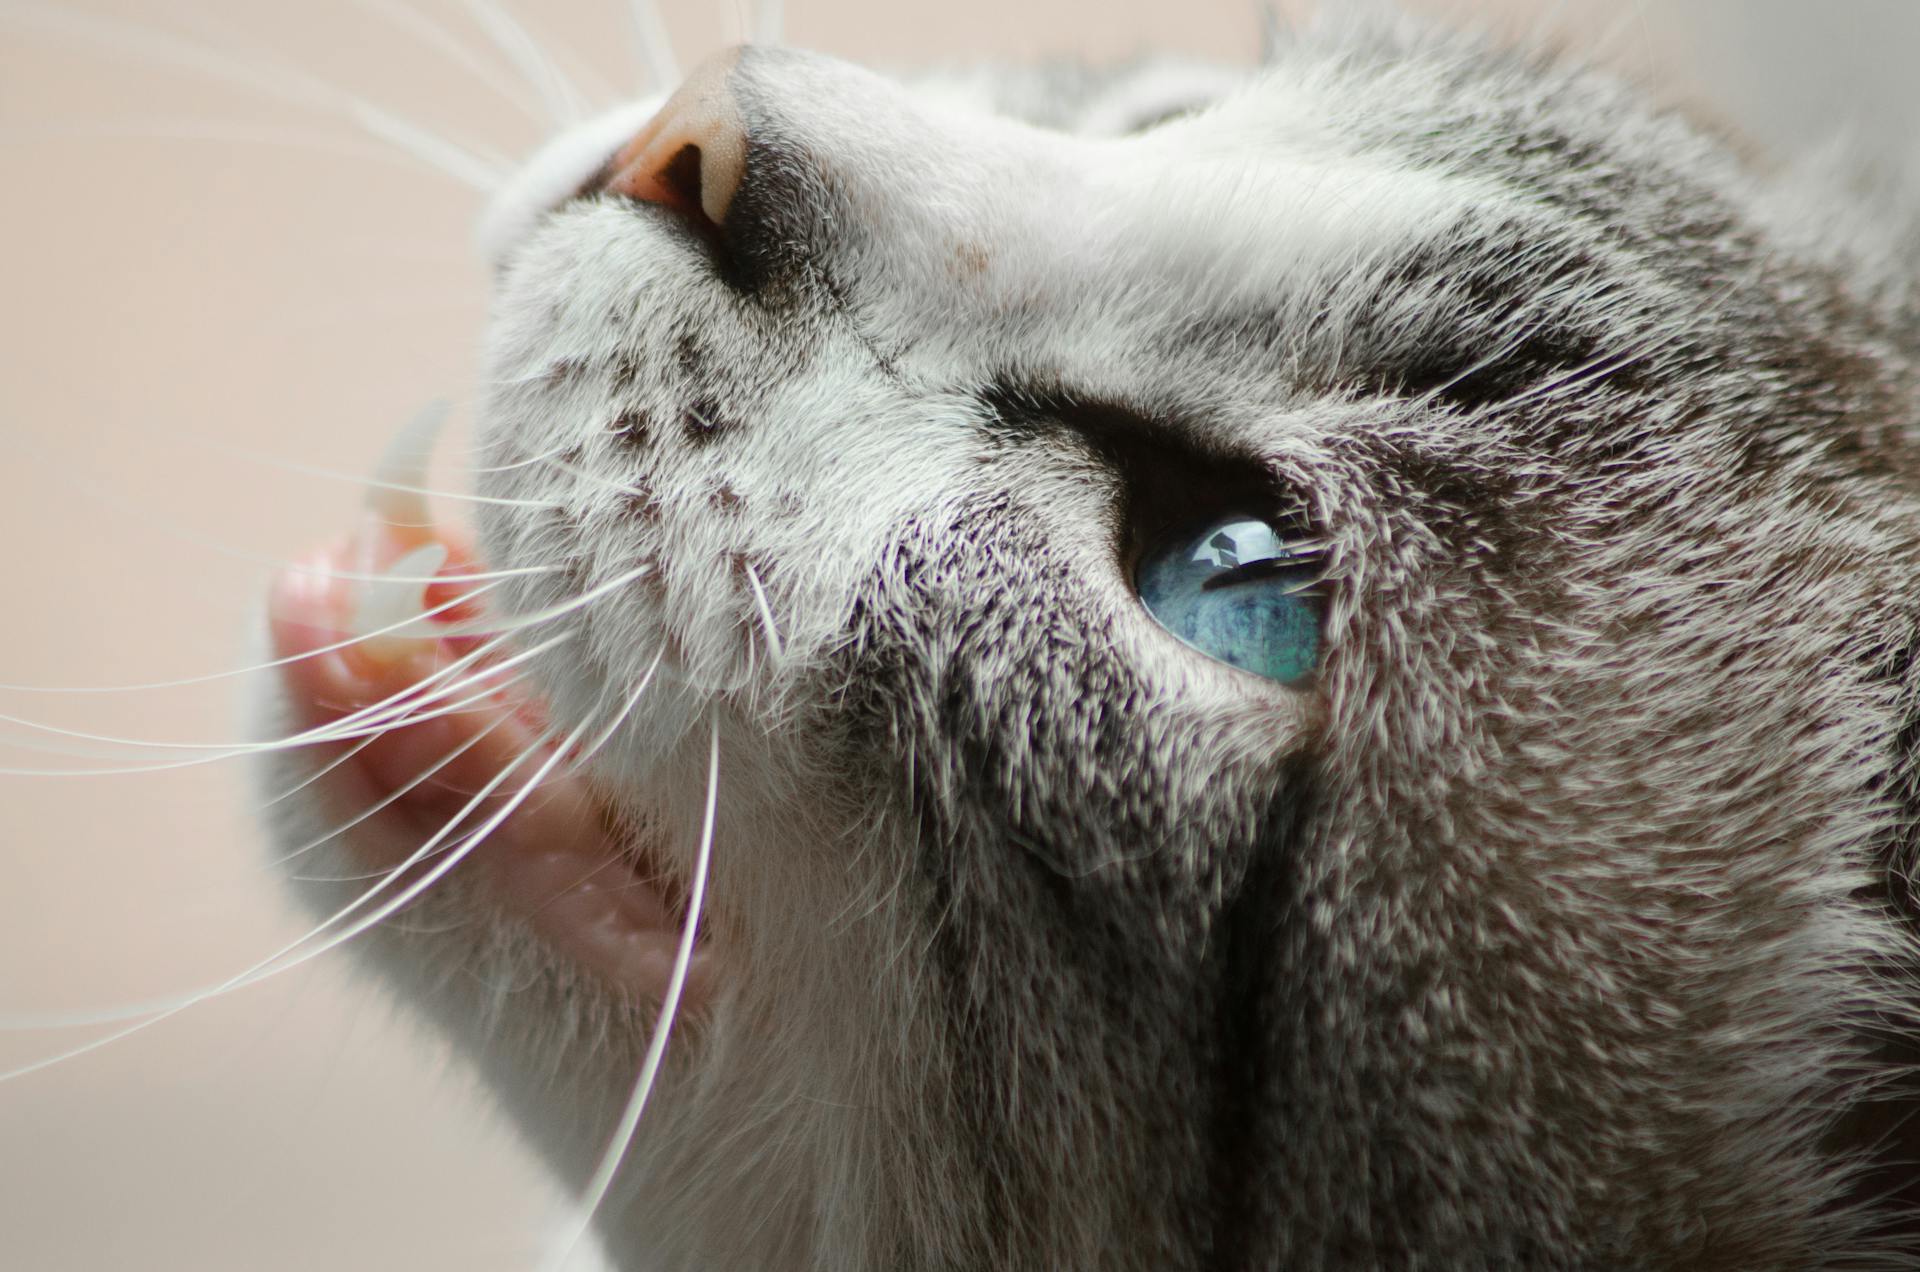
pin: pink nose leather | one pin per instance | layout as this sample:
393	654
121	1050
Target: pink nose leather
692	155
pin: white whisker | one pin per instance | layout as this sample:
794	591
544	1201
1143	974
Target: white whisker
372	576
563	102
322	733
390	712
469	165
271	965
769	22
290	955
387	801
288	660
528	462
480	173
405	708
613	484
654	45
626	710
490	691
319	774
774	646
448	859
85	1017
602	1181
409	714
361	479
403	700
411	711
190	129
548	614
432	34
272	79
119	503
21	1023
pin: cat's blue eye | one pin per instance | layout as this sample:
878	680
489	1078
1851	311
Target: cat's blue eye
1240	592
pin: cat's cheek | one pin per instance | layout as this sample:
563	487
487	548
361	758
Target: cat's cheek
549	859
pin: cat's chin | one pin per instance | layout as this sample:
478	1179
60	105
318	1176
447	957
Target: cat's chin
438	760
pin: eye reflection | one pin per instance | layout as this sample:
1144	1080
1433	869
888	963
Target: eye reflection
1239	592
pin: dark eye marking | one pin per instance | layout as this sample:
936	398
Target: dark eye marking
1470	322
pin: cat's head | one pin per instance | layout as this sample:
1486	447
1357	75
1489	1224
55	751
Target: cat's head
1494	868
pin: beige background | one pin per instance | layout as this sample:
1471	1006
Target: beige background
189	265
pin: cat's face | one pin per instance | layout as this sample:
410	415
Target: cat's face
1533	920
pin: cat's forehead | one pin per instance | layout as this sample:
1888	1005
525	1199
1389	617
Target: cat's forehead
1239	255
1035	219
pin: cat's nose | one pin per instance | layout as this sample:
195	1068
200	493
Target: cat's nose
692	155
783	161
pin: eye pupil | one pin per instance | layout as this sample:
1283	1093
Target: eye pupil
1238	592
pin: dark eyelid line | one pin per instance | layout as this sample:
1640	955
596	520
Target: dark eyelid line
1118	430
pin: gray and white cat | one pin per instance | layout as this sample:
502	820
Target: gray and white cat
1310	669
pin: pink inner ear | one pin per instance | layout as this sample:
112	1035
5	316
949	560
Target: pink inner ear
553	862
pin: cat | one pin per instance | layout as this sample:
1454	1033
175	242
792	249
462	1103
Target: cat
1306	669
1300	669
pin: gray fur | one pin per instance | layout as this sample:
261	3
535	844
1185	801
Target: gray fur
1559	922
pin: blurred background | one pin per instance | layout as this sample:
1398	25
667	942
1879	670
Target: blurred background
215	294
